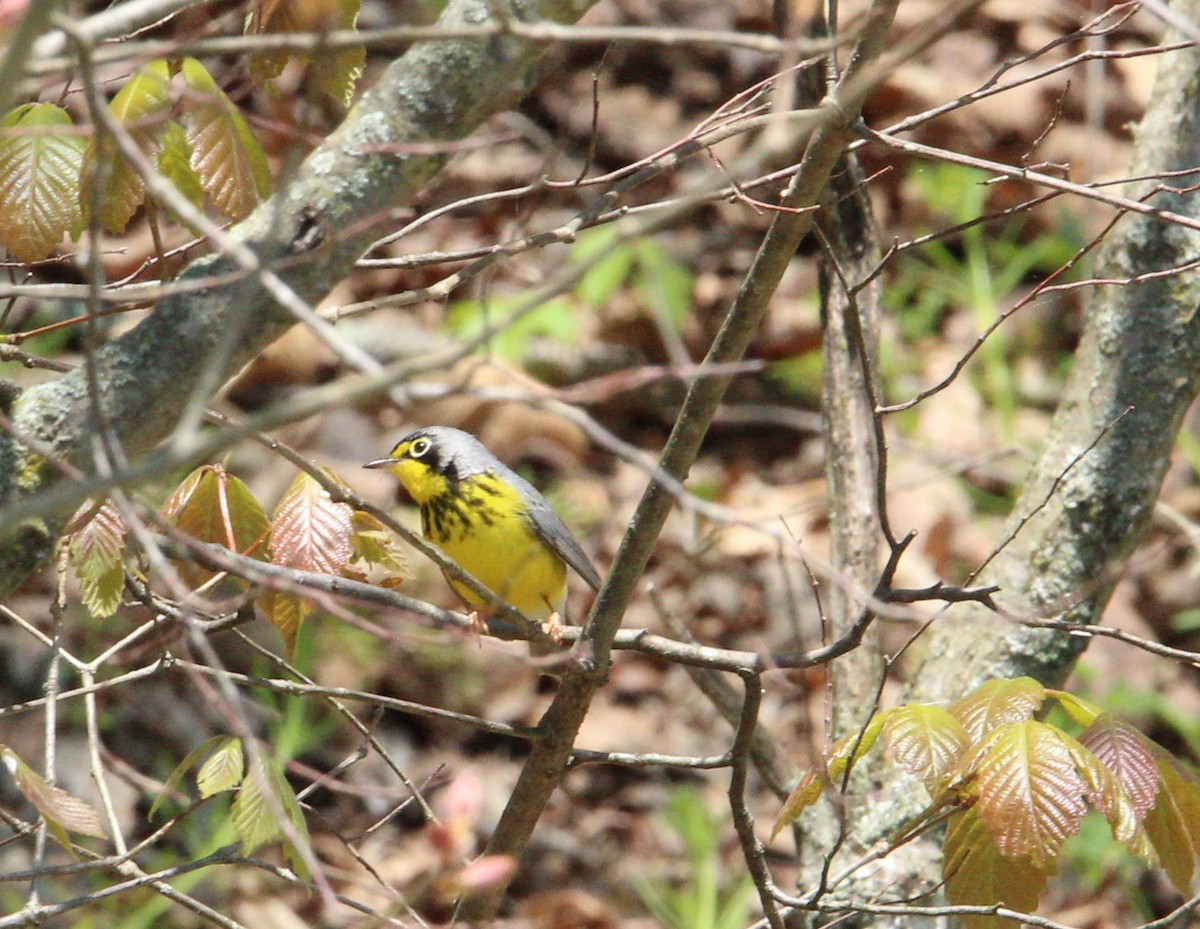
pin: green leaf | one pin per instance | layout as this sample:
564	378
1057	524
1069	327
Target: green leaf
1080	710
376	545
264	794
40	161
175	164
223	770
286	612
1173	823
95	546
927	741
977	874
183	768
997	703
609	274
226	156
62	811
142	107
554	319
332	73
844	753
665	284
1030	792
335	74
252	815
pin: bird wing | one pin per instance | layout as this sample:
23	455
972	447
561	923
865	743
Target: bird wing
555	534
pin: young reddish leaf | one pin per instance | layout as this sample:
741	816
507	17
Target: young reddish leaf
997	703
1080	710
225	154
845	752
142	107
926	740
1174	822
977	874
1107	795
57	807
175	164
40	160
1126	753
309	530
286	612
223	770
1030	793
96	540
374	544
213	506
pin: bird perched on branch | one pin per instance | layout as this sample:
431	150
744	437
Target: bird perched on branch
489	520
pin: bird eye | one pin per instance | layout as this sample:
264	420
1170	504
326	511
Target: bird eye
419	448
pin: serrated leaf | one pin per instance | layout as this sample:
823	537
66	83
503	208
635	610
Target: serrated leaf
286	612
291	806
926	740
57	807
181	770
142	107
1107	795
175	164
336	75
1173	823
95	546
1030	793
1080	710
333	73
1125	752
253	819
376	545
213	506
223	770
997	703
40	162
226	156
977	874
255	813
309	530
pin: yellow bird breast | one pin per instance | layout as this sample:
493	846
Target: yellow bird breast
483	527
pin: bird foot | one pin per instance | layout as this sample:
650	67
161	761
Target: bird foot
553	627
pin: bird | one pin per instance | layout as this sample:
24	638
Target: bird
490	521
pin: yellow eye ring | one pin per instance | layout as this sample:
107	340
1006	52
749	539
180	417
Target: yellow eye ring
420	448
